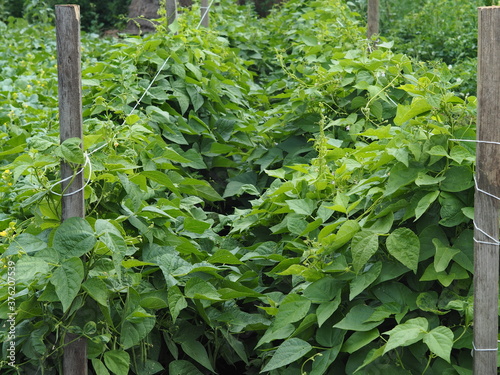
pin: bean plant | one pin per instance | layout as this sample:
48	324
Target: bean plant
284	199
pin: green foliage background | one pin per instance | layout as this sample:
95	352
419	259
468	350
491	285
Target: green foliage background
284	200
96	15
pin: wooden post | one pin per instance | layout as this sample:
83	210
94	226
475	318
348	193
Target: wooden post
486	215
373	18
171	11
204	13
70	120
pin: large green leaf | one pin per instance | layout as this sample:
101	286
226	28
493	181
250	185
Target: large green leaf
440	342
407	333
364	280
136	328
197	351
117	361
97	289
401	176
363	245
74	237
71	151
176	302
404	245
288	352
292	309
25	243
112	238
67	280
358	319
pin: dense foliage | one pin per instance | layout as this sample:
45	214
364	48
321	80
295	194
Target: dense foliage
284	200
96	15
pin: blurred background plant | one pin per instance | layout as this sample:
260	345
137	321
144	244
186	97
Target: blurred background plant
96	15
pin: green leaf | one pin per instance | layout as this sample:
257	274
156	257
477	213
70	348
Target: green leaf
345	233
112	238
201	289
67	280
197	351
457	178
400	176
99	367
407	333
363	281
425	180
451	210
117	361
323	290
418	106
302	206
424	203
195	226
176	302
288	352
74	237
274	332
326	309
359	339
404	245
440	342
97	289
181	367
222	256
292	309
357	319
71	151
236	345
444	255
200	188
372	355
25	243
427	301
136	328
363	245
28	266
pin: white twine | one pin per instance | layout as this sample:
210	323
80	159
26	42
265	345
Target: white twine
207	8
139	101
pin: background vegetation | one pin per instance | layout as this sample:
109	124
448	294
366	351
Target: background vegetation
284	200
96	15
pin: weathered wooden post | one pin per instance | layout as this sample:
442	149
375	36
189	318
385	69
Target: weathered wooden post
204	9
70	120
373	18
486	204
171	6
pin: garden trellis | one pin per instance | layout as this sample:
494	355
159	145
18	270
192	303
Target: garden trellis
458	334
70	118
486	267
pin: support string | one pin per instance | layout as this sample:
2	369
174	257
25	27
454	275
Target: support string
139	101
207	9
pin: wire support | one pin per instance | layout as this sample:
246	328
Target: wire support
205	13
138	102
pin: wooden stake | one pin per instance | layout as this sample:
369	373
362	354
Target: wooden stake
373	18
204	13
486	215
70	120
171	11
